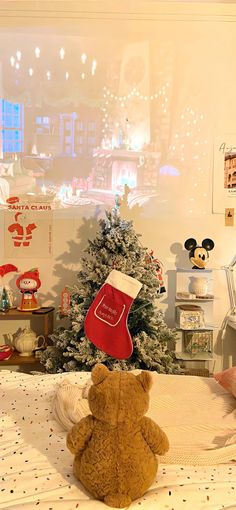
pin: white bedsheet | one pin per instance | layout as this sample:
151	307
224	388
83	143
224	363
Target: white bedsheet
36	467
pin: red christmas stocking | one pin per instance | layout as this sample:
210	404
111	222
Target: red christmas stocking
105	324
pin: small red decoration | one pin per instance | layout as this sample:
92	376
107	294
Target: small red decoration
12	200
5	352
7	268
65	302
159	269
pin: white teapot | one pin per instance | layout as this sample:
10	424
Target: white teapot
27	341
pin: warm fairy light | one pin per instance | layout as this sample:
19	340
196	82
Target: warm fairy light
17	66
83	58
67	76
12	61
94	67
31	71
83	76
18	55
62	53
48	74
37	52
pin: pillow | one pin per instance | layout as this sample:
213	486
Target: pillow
227	379
6	169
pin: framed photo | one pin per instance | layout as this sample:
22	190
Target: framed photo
224	173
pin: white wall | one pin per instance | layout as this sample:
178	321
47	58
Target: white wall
194	47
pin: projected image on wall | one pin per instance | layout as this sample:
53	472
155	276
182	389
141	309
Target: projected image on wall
230	170
83	118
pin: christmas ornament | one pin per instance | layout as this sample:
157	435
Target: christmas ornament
65	302
105	324
159	270
29	283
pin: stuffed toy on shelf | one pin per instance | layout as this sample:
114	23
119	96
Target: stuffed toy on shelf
28	283
198	253
116	446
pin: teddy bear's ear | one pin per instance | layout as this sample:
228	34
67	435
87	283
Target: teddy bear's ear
99	373
145	379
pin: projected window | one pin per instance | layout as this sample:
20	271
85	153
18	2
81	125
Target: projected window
11	127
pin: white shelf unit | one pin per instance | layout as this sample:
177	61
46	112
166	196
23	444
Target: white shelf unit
184	283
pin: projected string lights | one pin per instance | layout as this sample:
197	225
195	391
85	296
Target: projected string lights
119	113
189	144
36	60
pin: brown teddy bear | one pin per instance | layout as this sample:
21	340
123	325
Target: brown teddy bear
115	447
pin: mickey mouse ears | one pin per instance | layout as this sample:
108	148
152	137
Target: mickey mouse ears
191	243
208	244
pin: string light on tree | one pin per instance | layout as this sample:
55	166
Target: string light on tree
94	67
62	53
37	52
18	55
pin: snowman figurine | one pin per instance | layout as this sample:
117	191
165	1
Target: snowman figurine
28	283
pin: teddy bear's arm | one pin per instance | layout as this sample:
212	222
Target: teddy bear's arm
80	434
154	436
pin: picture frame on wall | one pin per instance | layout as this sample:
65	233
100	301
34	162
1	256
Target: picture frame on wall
224	173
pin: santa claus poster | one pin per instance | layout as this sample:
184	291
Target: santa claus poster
27	232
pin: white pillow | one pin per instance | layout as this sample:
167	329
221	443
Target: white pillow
7	169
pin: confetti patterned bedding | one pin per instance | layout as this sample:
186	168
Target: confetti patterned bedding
36	468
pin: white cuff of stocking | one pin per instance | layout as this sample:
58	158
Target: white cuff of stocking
124	283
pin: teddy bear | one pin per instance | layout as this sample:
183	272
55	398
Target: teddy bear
116	446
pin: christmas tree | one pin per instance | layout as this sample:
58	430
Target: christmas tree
116	246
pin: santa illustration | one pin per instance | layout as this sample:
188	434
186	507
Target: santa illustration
29	283
21	230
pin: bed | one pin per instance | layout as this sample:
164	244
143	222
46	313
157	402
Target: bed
199	472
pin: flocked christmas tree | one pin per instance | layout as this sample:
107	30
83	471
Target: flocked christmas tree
116	246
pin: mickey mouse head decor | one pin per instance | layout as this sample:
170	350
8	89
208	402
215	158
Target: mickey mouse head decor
198	254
